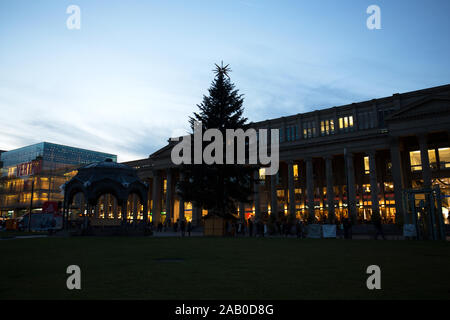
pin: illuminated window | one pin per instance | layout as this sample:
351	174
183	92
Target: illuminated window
295	167
388	187
262	173
345	123
444	157
416	161
165	185
326	127
280	193
366	165
309	129
432	158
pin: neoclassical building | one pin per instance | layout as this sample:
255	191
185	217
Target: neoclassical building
348	161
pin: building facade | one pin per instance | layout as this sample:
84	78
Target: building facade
346	161
33	175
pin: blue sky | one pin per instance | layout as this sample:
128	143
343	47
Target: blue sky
134	72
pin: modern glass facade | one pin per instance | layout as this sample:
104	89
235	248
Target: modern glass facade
33	175
53	155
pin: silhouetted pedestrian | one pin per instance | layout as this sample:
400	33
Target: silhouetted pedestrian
250	228
183	227
286	228
298	229
189	228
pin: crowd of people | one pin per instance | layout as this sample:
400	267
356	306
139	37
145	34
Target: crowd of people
283	227
183	226
261	228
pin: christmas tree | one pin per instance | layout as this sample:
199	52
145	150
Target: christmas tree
218	187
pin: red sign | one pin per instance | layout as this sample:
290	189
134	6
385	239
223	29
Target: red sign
29	168
50	207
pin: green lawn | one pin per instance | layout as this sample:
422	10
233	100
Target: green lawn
222	268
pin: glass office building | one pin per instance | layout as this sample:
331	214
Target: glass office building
32	175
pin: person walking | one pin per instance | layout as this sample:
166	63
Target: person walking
182	227
259	228
378	228
298	229
189	228
250	228
286	228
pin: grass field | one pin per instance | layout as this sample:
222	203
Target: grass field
222	268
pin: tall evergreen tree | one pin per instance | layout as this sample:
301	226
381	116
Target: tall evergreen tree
218	187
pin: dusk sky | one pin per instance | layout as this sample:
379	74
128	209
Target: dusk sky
133	74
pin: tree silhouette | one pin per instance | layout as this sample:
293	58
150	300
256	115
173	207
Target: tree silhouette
218	187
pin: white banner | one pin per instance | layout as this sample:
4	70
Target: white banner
43	221
329	231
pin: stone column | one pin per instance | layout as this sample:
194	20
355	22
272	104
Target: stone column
317	124
181	205
373	185
156	198
310	188
145	208
330	189
196	215
135	207
273	198
291	188
397	176
426	171
169	195
351	192
257	196
335	120
115	210
124	211
96	210
300	126
375	113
